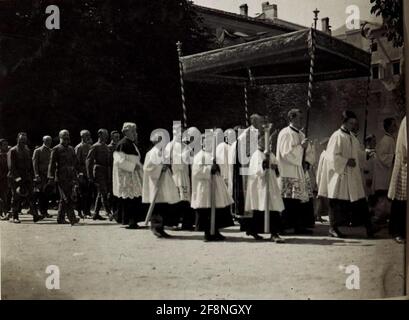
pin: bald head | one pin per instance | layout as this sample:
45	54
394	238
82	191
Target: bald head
64	136
85	136
47	141
257	121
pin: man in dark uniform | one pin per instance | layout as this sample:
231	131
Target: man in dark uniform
41	160
21	176
99	168
85	196
4	186
115	137
63	171
113	201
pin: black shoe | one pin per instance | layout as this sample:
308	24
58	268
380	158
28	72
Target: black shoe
62	222
399	240
210	238
220	237
158	234
255	236
15	221
48	216
37	218
110	217
165	235
133	227
75	221
335	233
98	217
276	238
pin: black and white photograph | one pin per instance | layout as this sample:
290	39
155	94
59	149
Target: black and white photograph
203	150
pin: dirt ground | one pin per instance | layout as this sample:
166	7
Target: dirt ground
103	260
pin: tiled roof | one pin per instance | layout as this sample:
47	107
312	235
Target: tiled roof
277	23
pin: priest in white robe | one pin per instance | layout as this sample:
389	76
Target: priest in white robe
242	150
295	189
260	165
203	170
178	154
225	158
383	165
345	190
385	155
158	181
127	176
398	187
321	207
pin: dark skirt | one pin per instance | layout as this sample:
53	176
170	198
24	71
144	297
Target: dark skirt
308	214
255	223
297	215
349	214
130	211
224	219
180	212
397	222
163	214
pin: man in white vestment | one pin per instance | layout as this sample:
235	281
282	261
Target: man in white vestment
345	190
178	153
127	178
398	186
158	180
261	167
295	190
203	171
383	165
225	158
242	150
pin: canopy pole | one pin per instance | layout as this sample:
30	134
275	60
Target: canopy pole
182	83
246	106
311	49
368	86
246	98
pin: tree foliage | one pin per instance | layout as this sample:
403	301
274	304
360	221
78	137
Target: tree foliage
392	13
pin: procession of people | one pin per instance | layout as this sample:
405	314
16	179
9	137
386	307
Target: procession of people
207	181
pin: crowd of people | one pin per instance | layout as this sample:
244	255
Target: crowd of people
274	193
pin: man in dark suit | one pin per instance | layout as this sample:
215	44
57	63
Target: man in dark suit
99	168
21	176
63	170
85	195
41	160
4	185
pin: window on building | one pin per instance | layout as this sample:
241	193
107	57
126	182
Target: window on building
376	72
396	68
374	47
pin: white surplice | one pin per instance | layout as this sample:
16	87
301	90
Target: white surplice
152	168
201	182
257	188
397	187
385	154
225	159
178	154
342	182
321	177
127	175
290	158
